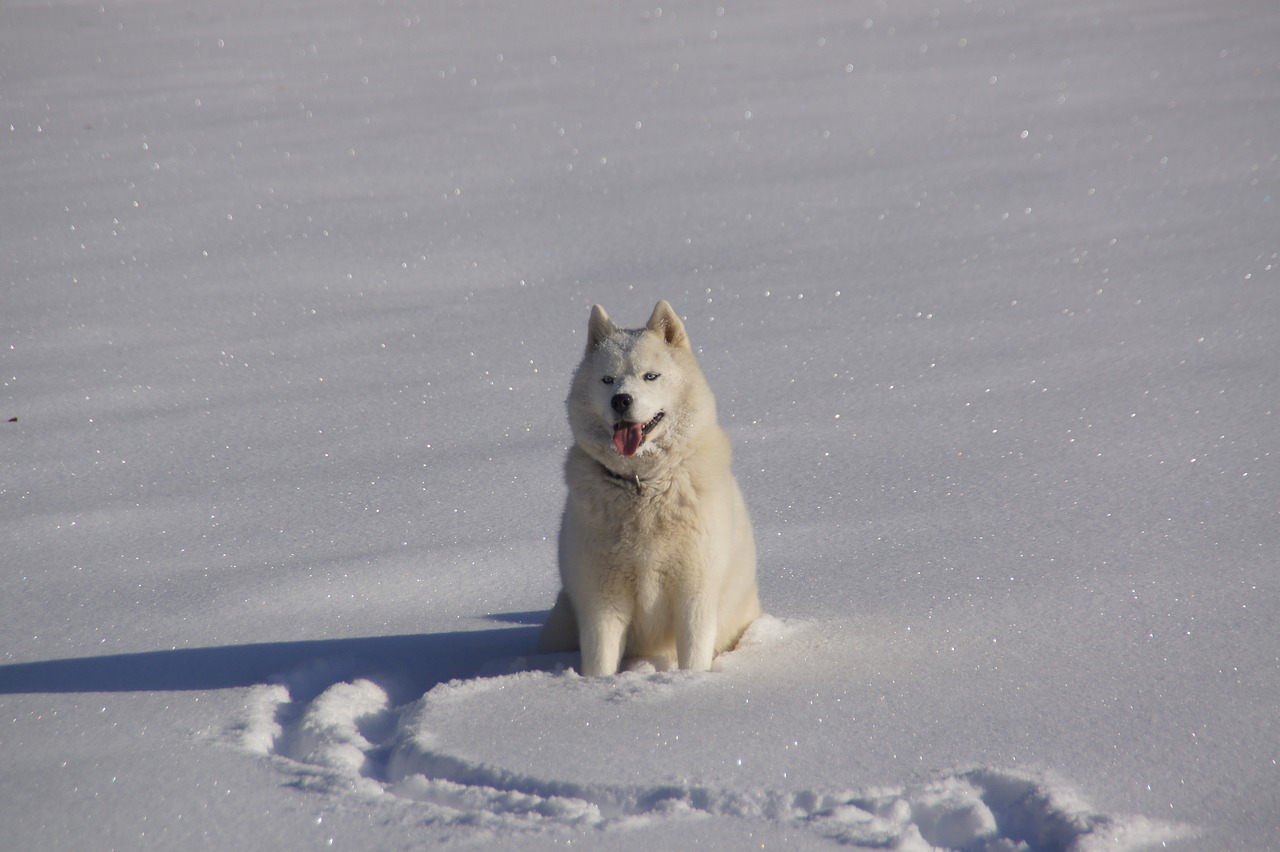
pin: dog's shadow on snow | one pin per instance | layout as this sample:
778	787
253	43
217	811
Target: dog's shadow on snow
418	661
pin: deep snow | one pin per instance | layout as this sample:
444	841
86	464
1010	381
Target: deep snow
989	294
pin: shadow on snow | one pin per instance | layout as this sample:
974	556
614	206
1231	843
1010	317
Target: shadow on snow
417	661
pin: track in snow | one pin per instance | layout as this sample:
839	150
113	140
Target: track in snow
341	731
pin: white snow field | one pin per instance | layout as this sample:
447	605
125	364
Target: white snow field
989	291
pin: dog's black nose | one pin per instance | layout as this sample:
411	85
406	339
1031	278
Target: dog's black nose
621	402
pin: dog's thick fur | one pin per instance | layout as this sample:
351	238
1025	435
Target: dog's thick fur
657	558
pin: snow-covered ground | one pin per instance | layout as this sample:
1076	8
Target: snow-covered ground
989	292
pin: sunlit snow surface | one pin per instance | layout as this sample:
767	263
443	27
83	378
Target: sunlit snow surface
989	293
352	738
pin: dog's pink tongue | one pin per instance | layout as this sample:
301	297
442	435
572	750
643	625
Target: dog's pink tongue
628	437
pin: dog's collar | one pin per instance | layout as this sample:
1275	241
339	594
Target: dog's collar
629	481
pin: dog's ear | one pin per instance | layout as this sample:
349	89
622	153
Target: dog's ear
599	328
665	322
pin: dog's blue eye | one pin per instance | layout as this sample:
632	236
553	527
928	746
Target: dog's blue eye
608	380
650	377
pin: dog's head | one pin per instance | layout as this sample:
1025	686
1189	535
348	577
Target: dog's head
639	392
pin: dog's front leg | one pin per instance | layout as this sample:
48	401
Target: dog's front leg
696	634
602	635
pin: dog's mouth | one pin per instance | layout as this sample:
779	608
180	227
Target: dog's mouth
628	437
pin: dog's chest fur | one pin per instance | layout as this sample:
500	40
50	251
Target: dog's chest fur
648	539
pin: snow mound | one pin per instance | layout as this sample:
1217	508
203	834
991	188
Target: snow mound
349	737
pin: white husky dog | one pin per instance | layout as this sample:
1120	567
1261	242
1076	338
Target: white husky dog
657	558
